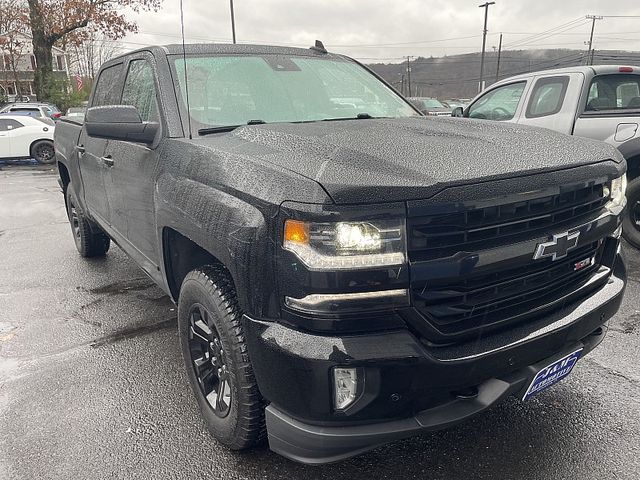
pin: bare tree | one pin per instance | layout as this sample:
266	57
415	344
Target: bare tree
53	20
88	51
14	24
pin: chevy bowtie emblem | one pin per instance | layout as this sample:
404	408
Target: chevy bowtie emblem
558	247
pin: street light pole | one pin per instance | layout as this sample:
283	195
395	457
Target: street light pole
484	40
233	22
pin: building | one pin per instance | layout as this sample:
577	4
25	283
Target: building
17	51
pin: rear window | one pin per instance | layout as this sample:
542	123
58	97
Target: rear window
614	92
34	111
547	96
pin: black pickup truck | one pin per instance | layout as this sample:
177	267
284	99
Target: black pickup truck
347	271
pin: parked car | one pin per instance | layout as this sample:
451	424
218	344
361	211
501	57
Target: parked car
22	136
76	112
600	102
451	104
343	278
430	106
34	109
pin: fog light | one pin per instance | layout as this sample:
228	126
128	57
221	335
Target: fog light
345	384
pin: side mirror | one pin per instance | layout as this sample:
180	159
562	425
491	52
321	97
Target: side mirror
457	112
119	122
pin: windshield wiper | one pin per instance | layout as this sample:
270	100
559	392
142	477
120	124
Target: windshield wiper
227	128
360	116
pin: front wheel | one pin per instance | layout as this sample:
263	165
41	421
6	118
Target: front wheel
631	220
43	152
216	357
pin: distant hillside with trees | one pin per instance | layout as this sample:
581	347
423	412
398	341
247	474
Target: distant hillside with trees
458	76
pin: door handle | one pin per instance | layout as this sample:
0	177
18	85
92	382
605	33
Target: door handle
108	161
80	149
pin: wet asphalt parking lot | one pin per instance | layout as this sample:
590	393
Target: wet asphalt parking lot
92	384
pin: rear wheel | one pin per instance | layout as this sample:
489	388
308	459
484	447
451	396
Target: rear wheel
90	240
216	357
43	152
631	220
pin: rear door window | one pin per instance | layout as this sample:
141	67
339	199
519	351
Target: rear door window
547	96
501	103
614	92
109	87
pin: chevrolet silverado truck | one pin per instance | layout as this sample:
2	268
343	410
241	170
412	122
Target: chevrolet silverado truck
600	102
347	271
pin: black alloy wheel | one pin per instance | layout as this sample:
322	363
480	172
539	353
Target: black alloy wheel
209	362
43	152
74	221
216	357
89	238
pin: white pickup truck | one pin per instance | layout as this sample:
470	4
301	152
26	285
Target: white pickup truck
600	102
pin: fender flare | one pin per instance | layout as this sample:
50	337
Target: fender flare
630	150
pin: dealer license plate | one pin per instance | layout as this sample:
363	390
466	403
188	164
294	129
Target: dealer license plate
552	374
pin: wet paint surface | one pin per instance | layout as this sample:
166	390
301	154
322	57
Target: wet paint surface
92	384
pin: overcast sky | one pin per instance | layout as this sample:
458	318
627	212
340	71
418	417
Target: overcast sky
388	30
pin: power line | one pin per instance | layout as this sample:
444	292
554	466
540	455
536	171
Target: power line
543	36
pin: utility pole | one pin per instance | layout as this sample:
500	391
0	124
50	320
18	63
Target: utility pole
498	63
593	19
484	40
233	22
409	75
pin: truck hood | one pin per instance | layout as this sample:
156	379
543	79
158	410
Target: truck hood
386	160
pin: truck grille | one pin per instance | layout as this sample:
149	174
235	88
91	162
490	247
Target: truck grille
439	236
497	294
492	298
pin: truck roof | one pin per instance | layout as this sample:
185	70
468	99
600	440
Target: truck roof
228	49
586	70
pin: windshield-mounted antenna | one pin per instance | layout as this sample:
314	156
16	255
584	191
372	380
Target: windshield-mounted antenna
319	47
184	60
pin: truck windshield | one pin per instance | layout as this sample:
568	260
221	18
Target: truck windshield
235	90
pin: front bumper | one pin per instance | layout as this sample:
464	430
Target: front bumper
410	386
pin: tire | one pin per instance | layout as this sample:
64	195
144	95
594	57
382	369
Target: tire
90	240
217	360
631	220
43	152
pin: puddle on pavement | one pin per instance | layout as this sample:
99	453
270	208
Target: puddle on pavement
124	286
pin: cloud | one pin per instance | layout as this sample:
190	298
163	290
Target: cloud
388	30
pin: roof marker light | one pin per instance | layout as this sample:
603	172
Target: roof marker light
625	69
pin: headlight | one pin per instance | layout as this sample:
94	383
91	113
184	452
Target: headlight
618	191
346	245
